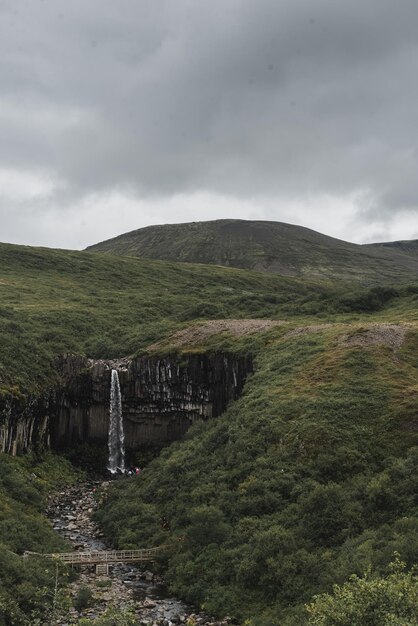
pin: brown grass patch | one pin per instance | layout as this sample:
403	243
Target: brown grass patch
196	335
390	335
304	330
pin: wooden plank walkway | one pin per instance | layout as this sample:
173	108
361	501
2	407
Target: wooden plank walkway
102	556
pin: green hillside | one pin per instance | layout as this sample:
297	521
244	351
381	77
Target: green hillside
269	247
28	588
310	477
57	301
408	247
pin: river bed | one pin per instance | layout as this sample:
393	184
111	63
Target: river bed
126	587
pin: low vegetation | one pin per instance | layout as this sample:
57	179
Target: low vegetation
111	618
55	301
310	477
307	479
274	247
30	587
58	301
391	600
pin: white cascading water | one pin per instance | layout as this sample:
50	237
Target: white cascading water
116	439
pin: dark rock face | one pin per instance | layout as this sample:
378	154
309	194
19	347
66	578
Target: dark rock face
24	423
161	397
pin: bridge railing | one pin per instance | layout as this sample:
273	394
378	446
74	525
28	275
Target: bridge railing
103	556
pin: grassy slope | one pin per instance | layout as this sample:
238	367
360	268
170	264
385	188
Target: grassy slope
54	301
26	585
409	247
268	246
303	481
257	539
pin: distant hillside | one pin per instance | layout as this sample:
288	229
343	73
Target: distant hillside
269	247
105	306
408	247
57	301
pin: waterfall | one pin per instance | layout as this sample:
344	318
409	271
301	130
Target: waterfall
116	436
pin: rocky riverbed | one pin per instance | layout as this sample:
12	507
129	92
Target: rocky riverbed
125	587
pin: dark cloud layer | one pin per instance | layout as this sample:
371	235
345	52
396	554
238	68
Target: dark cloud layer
268	102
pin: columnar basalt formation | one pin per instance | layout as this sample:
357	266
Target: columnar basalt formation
24	423
161	397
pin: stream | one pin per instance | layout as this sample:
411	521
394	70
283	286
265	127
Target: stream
126	587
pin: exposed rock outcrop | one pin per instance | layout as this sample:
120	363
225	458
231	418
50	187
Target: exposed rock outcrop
198	334
390	335
24	423
162	397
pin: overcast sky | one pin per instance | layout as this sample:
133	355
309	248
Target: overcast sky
117	114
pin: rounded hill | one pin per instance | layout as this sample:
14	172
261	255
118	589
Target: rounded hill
275	247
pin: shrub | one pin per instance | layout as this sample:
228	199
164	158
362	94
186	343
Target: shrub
83	598
368	601
372	300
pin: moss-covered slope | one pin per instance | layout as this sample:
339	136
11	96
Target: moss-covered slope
309	477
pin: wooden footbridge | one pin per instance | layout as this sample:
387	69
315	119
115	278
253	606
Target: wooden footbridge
102	557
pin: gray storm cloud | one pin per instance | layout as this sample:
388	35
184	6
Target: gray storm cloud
240	99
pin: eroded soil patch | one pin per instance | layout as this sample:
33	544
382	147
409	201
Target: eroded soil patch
390	335
305	330
196	335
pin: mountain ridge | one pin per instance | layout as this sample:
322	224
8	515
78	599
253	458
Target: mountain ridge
267	246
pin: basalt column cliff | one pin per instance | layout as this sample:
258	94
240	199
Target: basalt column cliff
161	397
